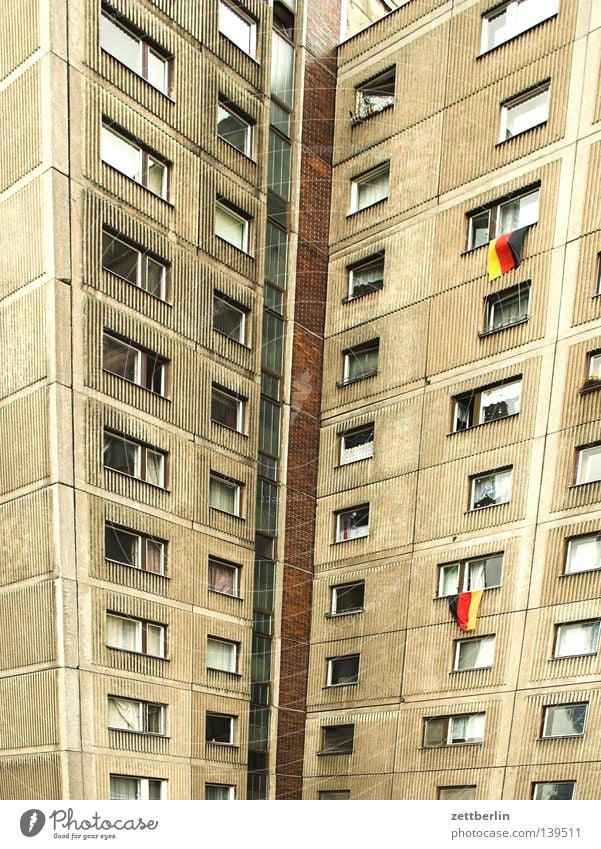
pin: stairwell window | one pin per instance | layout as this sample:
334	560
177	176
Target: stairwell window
474	653
453	730
481	573
553	790
513	18
136	266
508	307
583	554
134	788
136	365
374	96
564	720
134	715
136	550
524	111
225	494
136	635
521	210
486	405
237	27
134	459
232	227
370	188
357	444
134	161
577	638
589	464
365	277
132	48
490	489
353	523
337	739
360	361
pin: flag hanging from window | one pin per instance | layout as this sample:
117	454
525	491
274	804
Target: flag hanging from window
505	253
464	609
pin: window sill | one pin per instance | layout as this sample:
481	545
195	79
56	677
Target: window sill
482	424
521	133
486	507
350	298
221	744
471	669
511	38
349	382
153	734
137	569
570	656
483	333
594	386
226	595
352	462
227	513
561	737
225	672
579	572
231	429
353	212
350	539
583	483
357	118
337	686
345	613
332	752
166	201
452	745
138	76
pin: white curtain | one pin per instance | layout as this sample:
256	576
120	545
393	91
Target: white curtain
122	633
584	554
124	713
120	44
155	635
122	155
372	189
222	495
474	654
229	227
154	468
467	729
477	575
579	638
221	655
124	788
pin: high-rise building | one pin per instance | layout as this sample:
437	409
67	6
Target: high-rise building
301	457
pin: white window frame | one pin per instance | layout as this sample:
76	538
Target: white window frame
496	300
464	570
141	549
594	364
356	532
331	661
350	744
248	128
142	272
141	635
368	101
145	52
540	784
228	212
492	475
584	454
226	14
143	786
232	647
470	406
363	451
562	629
513	25
145	160
442	791
572	548
531	98
372	286
235	568
528	212
237	308
143	721
232	728
231	396
449	723
488	639
141	460
231	791
548	710
364	180
235	485
351	353
339	588
142	360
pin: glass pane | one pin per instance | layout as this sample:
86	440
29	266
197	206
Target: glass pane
483	573
120	259
230	227
124	788
279	165
344	670
157	71
576	639
338	738
120	359
584	554
225	409
273	299
221	655
474	654
357	445
282	69
120	44
509	308
449	579
123	633
267	503
564	720
372	188
218	792
223	495
258	729
154	719
526	114
261	658
273	340
479	229
154	789
228	319
157	177
451	793
121	455
500	401
361	362
121	154
276	260
155	635
236	29
222	578
589	465
233	129
124	714
155	278
279	118
154	467
366	278
492	489
435	732
155	556
219	729
466	729
263	587
269	428
348	598
121	546
554	790
353	524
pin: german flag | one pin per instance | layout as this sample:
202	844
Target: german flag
464	609
505	253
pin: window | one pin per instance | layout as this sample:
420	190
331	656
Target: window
133	715
220	792
222	655
513	18
130	788
134	161
553	790
453	730
352	524
348	598
524	112
223	577
229	318
133	265
231	227
564	720
519	211
492	488
577	638
475	653
134	51
370	188
374	96
508	307
337	739
233	128
219	728
227	409
486	405
361	361
282	66
593	379
134	459
357	444
278	165
589	464
135	635
343	670
467	791
144	368
133	549
334	794
225	494
237	28
482	573
365	278
583	554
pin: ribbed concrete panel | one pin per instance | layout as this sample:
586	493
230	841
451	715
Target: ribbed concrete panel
425	785
408	268
585	405
20	25
28	619
529	747
359	787
31	703
568	494
215	278
26	541
413	182
437	643
235	753
587	306
419	92
255	71
25	460
473	72
412	755
592	214
31	777
471	127
441	445
22	225
586	775
235	684
25	357
454	264
443	499
556	587
211	773
373	745
177	775
390	520
540	666
20	105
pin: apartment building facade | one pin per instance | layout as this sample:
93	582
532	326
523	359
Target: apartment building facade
264	413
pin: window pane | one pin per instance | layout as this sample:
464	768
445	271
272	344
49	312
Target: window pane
123	633
121	154
156	179
154	719
269	431
233	129
528	113
225	409
154	467
273	341
348	598
366	278
120	259
474	654
157	74
564	720
372	188
279	165
154	789
584	554
228	319
218	792
222	578
125	714
121	455
449	579
261	658
120	44
121	546
276	259
357	445
466	729
492	489
219	729
120	359
577	638
124	788
223	495
282	69
589	467
452	793
155	278
344	670
519	212
155	639
236	28
352	524
435	732
554	790
506	309
361	363
484	572
267	502
230	227
500	401
479	229
338	738
221	655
